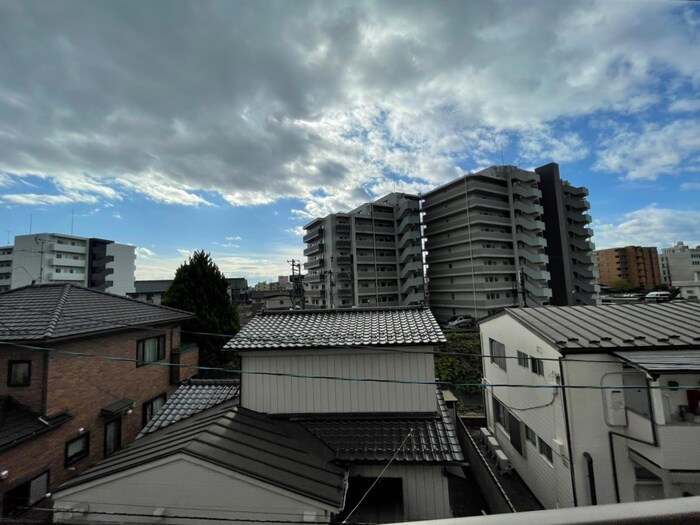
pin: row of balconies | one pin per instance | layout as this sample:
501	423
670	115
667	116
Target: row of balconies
466	254
374	290
376	275
65	248
313	234
315	248
527	191
376	259
461	238
464	222
468	287
315	263
477	269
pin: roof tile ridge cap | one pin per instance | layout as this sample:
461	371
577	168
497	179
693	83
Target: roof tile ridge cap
57	311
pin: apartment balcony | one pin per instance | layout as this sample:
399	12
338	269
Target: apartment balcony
366	290
102	274
385	245
458	209
344	292
343	244
581	244
524	176
67	261
482	202
529	224
316	248
375	259
383	214
412	282
476	269
312	278
577	216
533	256
409	253
342	228
459	239
574	190
343	276
576	203
316	263
68	277
537	290
5	281
535	273
527	191
411	267
312	235
530	207
365	243
413	298
408	206
579	229
408	221
461	288
583	271
531	240
343	259
388	289
65	248
466	253
386	230
409	236
583	258
585	286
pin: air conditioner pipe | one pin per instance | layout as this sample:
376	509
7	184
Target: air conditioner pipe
591	477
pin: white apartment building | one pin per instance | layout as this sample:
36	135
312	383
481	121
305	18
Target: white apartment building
369	257
597	404
5	268
506	237
51	257
680	267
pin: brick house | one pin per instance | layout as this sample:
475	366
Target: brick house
83	377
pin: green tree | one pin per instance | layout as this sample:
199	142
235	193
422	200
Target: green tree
200	287
464	368
621	285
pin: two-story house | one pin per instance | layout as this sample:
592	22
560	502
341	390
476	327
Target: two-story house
336	408
597	404
82	378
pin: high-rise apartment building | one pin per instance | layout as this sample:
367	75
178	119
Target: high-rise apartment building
632	266
51	257
680	267
506	237
370	256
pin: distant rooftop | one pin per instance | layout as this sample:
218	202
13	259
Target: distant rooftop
331	328
52	311
18	423
192	397
648	326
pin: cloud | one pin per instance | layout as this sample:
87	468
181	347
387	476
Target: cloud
690	186
144	253
234	238
117	215
255	102
185	253
652	151
649	226
297	230
684	105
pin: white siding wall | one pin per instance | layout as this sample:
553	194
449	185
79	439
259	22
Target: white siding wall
425	491
187	487
124	266
550	482
287	395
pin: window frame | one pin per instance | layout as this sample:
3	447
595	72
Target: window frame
498	354
149	403
523	359
11	363
528	434
70	460
543	447
118	421
537	366
140	348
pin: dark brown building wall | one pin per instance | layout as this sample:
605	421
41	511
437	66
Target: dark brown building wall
636	264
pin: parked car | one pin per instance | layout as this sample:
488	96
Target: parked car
461	321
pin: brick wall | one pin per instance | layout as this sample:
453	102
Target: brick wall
27	395
84	385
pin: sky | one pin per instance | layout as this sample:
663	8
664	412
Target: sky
226	126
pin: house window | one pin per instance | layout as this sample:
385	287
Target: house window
77	448
113	436
150	350
500	414
25	495
151	408
523	359
530	435
537	366
19	373
545	450
498	353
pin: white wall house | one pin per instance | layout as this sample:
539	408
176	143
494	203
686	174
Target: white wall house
362	382
597	404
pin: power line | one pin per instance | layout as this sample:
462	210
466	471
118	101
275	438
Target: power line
435	382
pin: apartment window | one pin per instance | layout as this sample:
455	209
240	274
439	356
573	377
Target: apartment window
498	353
150	350
537	366
113	436
500	414
545	450
19	373
27	494
151	408
530	435
77	448
523	359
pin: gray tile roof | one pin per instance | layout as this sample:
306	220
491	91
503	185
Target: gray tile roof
280	453
371	438
52	311
595	328
190	398
18	423
331	328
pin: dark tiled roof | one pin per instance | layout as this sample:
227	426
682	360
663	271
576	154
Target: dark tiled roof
635	326
329	328
18	423
370	438
190	398
280	453
51	311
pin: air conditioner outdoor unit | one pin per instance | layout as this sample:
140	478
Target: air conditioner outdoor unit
504	466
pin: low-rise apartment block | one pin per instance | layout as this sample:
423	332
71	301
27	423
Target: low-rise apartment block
371	256
680	267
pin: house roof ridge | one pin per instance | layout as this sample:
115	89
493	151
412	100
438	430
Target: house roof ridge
56	316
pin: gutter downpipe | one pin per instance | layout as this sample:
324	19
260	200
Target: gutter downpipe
568	431
591	478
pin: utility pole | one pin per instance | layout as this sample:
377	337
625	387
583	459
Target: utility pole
522	289
297	293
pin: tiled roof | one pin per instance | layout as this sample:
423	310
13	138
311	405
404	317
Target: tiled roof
280	453
191	398
369	438
51	311
594	328
18	423
330	328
